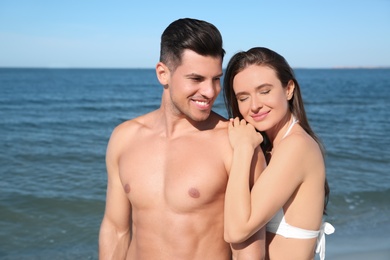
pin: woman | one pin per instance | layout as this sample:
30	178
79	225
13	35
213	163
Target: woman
290	196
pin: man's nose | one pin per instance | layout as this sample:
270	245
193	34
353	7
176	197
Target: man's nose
210	89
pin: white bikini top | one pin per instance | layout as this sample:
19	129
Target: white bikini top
279	226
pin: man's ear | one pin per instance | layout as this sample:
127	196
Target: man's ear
290	89
162	73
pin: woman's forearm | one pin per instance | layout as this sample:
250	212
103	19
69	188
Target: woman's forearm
238	197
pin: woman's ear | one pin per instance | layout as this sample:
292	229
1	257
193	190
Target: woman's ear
162	73
290	89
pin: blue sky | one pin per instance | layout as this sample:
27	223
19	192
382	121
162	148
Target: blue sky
126	34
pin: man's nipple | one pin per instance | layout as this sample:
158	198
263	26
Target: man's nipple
127	188
194	193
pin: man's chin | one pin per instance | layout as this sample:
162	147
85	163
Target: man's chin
201	117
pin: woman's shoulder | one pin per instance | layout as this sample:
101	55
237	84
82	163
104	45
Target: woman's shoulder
303	151
299	141
298	149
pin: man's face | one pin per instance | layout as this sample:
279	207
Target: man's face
194	85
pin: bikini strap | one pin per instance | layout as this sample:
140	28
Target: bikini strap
294	121
327	229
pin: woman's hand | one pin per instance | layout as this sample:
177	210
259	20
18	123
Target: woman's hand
243	134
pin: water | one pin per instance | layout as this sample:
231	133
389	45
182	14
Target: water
55	124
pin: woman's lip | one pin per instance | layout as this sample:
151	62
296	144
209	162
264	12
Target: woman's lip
259	116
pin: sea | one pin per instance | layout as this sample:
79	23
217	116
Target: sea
55	125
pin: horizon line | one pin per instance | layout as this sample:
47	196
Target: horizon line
147	68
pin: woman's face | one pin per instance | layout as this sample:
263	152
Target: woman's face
262	100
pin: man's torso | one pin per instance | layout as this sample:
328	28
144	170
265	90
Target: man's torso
176	187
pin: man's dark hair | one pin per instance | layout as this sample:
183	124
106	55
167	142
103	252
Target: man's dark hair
187	33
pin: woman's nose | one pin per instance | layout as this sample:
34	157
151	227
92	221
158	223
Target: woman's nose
256	104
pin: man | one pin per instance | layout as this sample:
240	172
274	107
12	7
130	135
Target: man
168	169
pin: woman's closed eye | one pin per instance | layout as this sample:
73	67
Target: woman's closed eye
264	92
242	98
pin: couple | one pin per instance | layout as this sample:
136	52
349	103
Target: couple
185	183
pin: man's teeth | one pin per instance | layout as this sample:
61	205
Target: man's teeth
203	103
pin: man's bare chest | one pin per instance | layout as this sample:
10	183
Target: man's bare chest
184	175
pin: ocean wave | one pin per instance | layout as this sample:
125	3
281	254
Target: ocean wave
360	211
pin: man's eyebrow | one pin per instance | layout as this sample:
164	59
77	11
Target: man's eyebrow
194	75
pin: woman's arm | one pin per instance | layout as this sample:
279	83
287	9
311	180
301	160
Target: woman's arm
245	141
252	248
246	211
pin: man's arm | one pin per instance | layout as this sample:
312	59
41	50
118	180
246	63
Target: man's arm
115	230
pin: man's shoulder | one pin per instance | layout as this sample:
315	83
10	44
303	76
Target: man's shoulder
125	134
221	122
219	130
129	125
132	126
